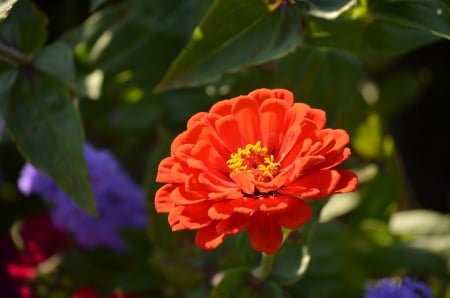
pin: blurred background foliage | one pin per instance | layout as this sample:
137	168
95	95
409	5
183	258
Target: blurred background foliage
127	74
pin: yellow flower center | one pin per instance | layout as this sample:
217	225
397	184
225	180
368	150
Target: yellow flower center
254	159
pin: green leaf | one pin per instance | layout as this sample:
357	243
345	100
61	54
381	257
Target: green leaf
24	28
328	9
240	283
324	78
56	60
368	137
420	222
424	229
382	27
233	34
293	259
42	119
94	4
426	15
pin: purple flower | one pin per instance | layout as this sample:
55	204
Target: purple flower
120	203
394	288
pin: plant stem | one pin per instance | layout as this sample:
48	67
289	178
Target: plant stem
13	56
265	267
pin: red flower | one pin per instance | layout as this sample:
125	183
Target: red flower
41	241
250	163
89	292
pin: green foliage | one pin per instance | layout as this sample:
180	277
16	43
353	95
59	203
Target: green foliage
229	38
132	72
240	283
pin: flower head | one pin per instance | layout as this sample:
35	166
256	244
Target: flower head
41	240
393	288
121	204
251	163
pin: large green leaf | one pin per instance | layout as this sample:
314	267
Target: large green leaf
240	283
233	34
389	27
426	15
40	114
24	28
322	77
56	60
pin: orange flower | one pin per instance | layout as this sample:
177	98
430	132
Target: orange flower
250	163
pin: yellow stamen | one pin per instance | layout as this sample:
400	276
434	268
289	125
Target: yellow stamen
254	158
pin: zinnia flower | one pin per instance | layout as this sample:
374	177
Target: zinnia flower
251	163
121	204
393	288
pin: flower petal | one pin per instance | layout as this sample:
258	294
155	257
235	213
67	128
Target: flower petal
265	233
317	116
227	128
222	107
273	113
208	238
244	180
221	210
297	213
163	203
234	224
190	216
314	185
347	182
260	95
245	109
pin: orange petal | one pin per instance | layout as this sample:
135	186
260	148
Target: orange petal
228	130
221	210
203	150
163	203
196	118
296	114
244	180
234	224
245	109
347	182
193	216
247	205
273	113
265	234
260	95
297	213
165	170
303	143
208	238
179	196
315	185
317	116
222	107
289	141
274	204
336	158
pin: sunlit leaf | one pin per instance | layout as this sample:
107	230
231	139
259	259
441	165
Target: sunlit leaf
233	34
24	28
367	139
420	222
328	9
5	7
